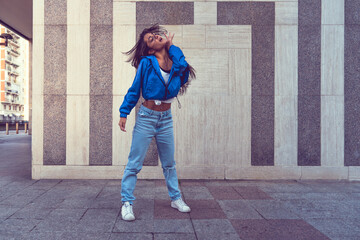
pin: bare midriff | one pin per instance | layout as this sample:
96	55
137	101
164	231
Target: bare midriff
160	108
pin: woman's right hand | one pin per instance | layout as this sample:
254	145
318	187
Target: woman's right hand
169	39
122	124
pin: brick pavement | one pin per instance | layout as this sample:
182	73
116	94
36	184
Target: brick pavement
90	209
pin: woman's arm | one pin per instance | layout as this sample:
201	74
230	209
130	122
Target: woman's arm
133	94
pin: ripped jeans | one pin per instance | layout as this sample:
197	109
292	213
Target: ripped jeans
151	124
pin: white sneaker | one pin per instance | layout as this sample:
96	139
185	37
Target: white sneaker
180	205
127	212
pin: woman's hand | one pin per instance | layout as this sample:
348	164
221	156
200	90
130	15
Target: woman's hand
169	39
122	123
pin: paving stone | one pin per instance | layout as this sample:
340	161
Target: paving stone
276	229
35	235
186	182
196	192
287	187
30	211
272	209
20	225
144	209
205	209
6	211
10	235
213	226
224	193
131	236
161	192
163	210
76	203
22	198
251	193
137	226
239	209
309	196
173	226
337	227
174	236
97	220
106	203
227	236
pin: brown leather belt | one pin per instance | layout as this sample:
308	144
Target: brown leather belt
160	108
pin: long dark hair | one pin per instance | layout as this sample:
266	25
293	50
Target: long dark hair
141	49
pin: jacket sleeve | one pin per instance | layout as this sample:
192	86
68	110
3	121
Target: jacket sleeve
178	58
133	94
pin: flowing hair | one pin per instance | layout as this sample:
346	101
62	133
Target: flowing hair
141	49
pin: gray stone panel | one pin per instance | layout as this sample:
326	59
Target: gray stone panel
309	130
262	130
309	59
309	83
55	12
55	59
101	60
166	13
54	130
263	13
309	12
101	12
100	149
352	12
352	95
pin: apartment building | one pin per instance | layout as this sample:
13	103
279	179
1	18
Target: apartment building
13	78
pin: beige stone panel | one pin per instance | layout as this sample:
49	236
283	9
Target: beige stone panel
80	172
317	172
38	60
239	72
193	36
217	36
77	130
212	73
166	0
78	12
240	36
286	60
78	59
205	13
123	73
37	142
151	172
332	11
124	12
332	131
189	131
263	172
38	13
354	173
178	31
36	172
332	60
286	130
286	13
274	1
201	172
121	140
239	121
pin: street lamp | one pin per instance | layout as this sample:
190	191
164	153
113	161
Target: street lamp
7	37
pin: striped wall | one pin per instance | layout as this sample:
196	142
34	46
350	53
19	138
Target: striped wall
276	95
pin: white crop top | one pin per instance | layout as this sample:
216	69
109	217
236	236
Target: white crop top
166	76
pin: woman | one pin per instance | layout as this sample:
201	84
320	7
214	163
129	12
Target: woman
162	73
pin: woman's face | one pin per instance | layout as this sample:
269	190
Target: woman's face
154	41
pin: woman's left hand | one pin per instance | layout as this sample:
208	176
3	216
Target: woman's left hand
169	39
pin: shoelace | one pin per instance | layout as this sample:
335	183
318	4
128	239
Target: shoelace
181	202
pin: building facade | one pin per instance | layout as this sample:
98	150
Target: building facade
13	77
276	94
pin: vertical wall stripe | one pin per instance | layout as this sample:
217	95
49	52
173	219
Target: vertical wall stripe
101	82
332	83
78	78
286	83
261	17
352	86
124	26
38	83
309	79
55	37
164	13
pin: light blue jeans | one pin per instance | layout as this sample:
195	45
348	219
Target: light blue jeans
151	124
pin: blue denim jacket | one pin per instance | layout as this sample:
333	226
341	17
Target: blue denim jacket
148	78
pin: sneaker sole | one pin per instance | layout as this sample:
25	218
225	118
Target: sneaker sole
128	220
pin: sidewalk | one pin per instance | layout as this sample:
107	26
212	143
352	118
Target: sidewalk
90	209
